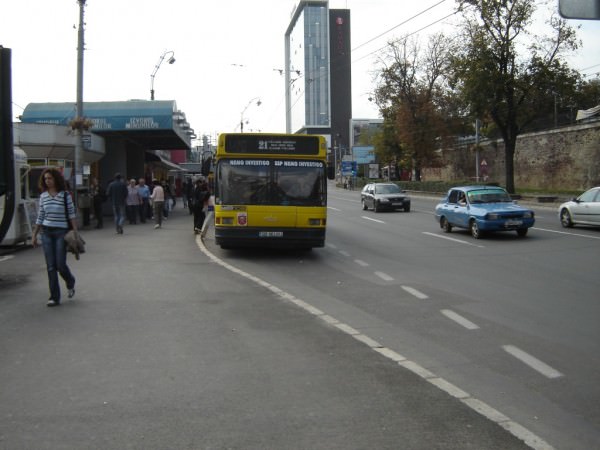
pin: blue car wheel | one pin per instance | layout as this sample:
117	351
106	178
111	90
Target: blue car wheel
475	230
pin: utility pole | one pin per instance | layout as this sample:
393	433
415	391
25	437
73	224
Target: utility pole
477	124
79	114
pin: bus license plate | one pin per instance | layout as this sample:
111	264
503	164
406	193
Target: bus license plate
266	234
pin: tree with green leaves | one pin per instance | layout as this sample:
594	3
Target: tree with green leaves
506	74
386	146
412	96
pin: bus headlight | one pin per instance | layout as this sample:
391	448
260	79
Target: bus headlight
314	222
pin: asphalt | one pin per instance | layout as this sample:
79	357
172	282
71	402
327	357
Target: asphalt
162	348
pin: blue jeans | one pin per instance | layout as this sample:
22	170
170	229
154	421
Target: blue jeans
55	251
119	213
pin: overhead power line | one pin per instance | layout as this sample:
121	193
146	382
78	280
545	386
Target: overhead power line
400	24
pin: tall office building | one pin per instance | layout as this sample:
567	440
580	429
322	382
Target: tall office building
318	72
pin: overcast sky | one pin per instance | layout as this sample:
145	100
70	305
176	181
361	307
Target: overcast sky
227	52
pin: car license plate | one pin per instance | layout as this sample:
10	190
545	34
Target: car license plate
397	204
513	223
270	234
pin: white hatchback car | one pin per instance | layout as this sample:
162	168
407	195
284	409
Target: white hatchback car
583	210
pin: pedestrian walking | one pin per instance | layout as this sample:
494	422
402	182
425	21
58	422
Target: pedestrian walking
117	192
167	202
158	203
56	214
144	192
98	198
200	196
208	220
188	190
133	202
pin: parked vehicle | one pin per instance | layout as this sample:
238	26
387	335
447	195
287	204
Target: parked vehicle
482	208
583	210
384	196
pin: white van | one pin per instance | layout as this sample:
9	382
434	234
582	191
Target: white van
25	209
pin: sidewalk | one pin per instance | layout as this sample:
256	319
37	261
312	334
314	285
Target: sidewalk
24	266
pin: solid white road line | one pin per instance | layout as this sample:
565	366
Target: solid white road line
415	292
532	362
459	319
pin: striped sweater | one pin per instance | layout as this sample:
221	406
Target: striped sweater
51	212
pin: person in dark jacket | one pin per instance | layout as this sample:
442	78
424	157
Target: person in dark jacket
98	198
117	193
200	196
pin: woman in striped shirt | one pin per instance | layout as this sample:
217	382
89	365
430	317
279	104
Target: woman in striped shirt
55	212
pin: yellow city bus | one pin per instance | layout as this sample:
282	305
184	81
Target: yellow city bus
270	190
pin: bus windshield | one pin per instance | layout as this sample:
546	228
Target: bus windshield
271	182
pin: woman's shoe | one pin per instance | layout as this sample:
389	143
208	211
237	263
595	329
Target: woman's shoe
71	293
52	303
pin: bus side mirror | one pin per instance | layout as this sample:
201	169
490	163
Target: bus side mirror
330	172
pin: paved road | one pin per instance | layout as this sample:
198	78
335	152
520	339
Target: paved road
163	348
505	319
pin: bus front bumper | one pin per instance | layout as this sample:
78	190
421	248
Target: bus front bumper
269	237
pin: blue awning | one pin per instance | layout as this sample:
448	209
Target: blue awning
152	124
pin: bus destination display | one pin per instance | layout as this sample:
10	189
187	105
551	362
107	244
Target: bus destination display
283	145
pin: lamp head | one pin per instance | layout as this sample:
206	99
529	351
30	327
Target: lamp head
258	103
171	60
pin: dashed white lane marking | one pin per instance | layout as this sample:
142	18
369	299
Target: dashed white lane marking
567	233
384	276
530	439
6	257
333	209
360	262
459	319
532	362
344	253
372	220
415	292
460	241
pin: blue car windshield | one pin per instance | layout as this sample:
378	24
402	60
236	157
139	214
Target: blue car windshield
488	196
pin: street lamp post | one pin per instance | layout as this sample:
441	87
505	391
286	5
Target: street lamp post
171	60
258	103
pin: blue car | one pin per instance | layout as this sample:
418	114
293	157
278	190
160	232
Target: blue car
482	208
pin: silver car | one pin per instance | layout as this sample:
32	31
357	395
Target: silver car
384	196
583	210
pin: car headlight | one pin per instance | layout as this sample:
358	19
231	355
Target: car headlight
528	215
384	200
492	216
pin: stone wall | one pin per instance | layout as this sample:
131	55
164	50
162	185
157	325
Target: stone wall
567	158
